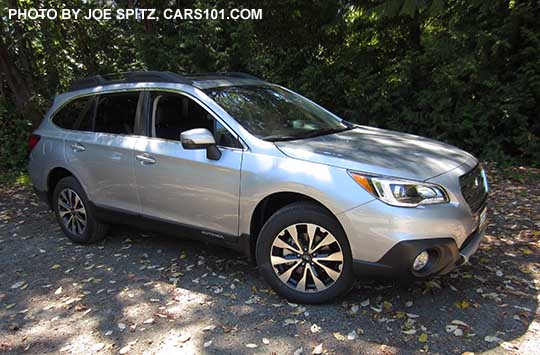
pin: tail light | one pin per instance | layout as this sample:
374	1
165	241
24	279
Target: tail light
33	141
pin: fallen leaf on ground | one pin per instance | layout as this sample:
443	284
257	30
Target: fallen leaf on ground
317	350
458	322
184	337
423	338
432	284
125	349
352	335
339	336
354	309
492	339
365	303
464	304
451	328
409	331
97	347
80	307
17	284
289	321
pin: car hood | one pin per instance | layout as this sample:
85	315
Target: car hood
379	151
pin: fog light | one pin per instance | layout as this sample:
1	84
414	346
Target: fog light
421	261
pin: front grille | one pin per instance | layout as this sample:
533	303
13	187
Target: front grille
473	188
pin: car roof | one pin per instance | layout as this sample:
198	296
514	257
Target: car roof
201	80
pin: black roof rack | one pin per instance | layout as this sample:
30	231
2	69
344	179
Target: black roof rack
229	74
131	77
148	76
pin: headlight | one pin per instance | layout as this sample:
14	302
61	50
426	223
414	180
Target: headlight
403	193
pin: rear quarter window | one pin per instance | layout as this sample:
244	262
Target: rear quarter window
76	115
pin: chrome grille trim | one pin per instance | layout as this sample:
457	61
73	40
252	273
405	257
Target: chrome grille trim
473	188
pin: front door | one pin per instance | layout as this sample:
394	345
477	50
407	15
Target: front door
184	186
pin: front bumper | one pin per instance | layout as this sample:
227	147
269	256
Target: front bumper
397	262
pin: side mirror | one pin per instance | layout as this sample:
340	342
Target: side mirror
201	138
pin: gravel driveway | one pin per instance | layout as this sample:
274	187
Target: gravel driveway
143	293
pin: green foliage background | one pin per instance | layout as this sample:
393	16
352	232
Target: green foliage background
463	71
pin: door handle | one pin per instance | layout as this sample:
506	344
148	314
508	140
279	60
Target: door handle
145	159
78	147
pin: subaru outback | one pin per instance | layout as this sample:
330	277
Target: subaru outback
314	200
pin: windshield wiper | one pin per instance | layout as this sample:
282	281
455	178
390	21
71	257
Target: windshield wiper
323	132
307	134
279	138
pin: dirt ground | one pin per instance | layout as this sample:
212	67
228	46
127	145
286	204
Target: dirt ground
143	293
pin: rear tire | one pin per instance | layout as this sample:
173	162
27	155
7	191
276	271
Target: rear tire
75	214
315	265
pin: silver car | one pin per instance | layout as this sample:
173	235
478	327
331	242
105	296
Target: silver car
314	200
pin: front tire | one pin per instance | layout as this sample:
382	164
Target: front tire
303	253
75	214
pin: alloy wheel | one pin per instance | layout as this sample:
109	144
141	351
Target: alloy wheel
306	257
72	211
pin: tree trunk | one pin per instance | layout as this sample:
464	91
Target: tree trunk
17	84
18	73
415	32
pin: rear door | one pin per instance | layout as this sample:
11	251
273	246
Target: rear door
103	156
76	118
181	185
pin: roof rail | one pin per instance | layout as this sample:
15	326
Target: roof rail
91	81
231	74
148	76
130	77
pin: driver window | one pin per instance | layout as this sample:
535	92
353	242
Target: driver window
173	114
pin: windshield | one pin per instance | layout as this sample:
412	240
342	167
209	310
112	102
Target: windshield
274	114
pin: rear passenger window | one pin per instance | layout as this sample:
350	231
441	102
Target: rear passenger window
116	113
76	115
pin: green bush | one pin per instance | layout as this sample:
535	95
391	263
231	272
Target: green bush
463	71
14	133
